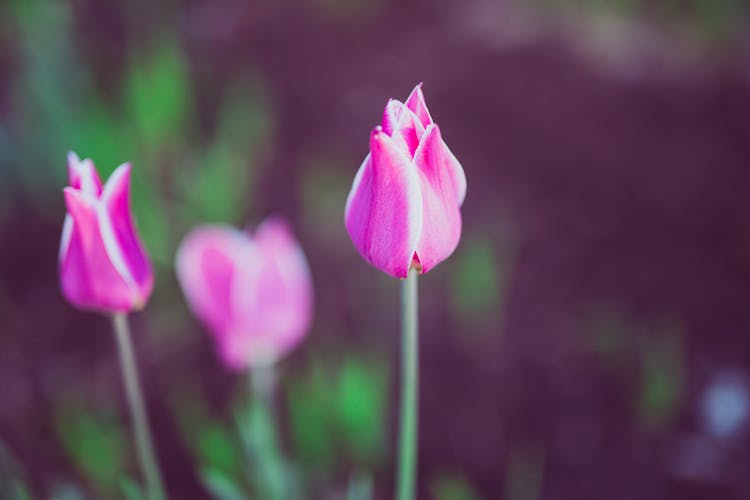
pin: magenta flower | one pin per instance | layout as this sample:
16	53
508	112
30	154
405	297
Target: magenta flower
254	293
403	208
103	265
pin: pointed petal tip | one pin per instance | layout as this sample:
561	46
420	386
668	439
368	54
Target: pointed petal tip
122	169
118	180
73	158
417	104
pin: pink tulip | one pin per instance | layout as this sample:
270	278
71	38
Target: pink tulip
103	265
403	208
253	293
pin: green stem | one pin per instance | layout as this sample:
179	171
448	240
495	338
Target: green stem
143	440
270	465
407	464
263	384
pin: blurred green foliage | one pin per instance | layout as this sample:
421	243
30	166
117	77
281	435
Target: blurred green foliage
337	411
217	188
480	275
272	475
96	444
131	490
158	98
214	444
178	178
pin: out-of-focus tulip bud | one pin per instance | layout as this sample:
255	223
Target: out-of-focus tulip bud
103	265
254	293
403	208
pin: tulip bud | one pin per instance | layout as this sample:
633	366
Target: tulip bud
254	293
103	265
403	208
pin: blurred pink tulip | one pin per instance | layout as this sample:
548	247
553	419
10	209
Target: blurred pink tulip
254	293
403	208
103	265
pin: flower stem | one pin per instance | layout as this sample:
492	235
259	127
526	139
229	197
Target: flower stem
263	385
143	441
408	435
270	466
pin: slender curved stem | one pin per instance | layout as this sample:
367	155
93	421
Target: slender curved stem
408	436
143	441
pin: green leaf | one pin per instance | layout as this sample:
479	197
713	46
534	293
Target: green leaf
96	444
310	418
478	281
131	490
361	400
151	220
158	95
217	190
218	449
97	133
247	116
221	486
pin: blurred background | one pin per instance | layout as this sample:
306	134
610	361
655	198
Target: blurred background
587	340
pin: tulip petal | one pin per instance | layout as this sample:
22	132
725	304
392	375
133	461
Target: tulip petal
403	126
120	236
205	265
287	284
82	175
384	208
457	171
89	278
416	103
391	114
271	297
75	280
441	229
